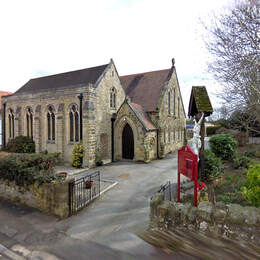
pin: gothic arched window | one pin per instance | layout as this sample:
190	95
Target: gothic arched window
169	102
11	123
51	124
29	123
173	101
178	107
74	124
113	98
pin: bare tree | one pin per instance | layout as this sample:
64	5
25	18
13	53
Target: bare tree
219	113
234	43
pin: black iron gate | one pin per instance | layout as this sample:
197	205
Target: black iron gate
82	191
166	190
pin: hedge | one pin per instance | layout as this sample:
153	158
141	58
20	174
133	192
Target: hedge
211	130
25	169
20	144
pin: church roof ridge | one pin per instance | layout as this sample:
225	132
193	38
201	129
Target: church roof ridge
78	70
147	72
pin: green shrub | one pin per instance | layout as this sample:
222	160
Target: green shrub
77	155
25	169
223	145
211	130
241	162
20	144
251	190
250	153
212	167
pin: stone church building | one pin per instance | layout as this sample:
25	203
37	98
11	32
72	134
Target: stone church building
139	117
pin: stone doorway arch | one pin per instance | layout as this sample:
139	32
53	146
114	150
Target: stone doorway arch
127	142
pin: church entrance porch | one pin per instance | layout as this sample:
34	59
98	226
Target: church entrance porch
127	142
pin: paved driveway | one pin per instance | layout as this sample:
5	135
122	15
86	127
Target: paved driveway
108	223
125	208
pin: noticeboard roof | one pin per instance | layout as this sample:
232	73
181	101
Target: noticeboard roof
199	101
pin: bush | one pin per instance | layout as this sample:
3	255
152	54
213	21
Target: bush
20	144
212	167
241	162
223	145
77	155
25	169
250	153
251	190
211	130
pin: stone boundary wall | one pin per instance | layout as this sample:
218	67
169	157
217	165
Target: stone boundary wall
232	221
52	198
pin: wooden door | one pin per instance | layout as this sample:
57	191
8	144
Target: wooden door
128	142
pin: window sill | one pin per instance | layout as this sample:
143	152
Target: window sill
72	143
51	142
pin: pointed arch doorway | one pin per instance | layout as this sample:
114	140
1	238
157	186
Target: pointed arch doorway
128	142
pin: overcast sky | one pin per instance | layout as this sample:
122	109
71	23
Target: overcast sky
43	37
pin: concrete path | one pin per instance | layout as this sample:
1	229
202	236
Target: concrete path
124	209
103	230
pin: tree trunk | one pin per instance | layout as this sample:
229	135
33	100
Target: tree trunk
211	193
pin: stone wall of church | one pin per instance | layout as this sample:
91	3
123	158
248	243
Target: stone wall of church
150	146
61	101
145	142
97	126
170	120
104	111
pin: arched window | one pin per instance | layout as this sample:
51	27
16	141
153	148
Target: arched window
169	102
173	101
178	107
11	123
74	124
113	98
51	124
29	123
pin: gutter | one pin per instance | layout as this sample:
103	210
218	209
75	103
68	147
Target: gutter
3	126
157	134
80	97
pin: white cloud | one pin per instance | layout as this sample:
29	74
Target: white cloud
52	36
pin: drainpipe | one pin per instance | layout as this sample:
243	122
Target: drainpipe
113	119
3	125
80	97
157	131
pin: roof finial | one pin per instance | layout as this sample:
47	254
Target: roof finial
173	62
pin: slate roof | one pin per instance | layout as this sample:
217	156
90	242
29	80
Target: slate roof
199	101
142	116
63	80
145	88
